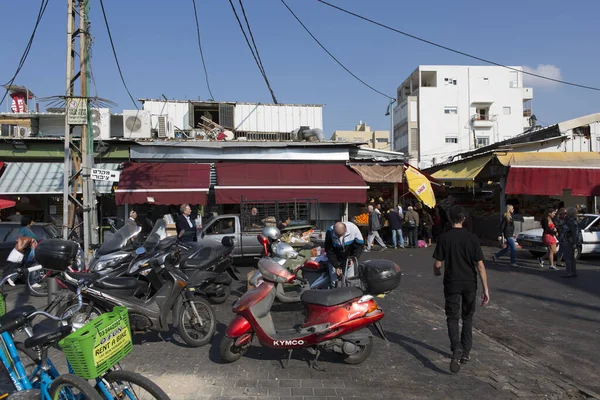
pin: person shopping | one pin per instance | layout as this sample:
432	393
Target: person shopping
507	235
374	227
549	238
572	239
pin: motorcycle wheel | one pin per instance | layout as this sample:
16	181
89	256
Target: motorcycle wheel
222	298
87	313
193	332
361	355
229	351
37	283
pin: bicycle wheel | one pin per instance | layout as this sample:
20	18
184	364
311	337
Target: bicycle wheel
130	385
72	387
37	282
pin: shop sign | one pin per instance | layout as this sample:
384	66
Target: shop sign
77	111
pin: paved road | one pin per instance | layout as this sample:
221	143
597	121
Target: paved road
533	341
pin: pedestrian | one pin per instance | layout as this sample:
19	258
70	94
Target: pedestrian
374	227
16	217
560	222
437	223
26	242
411	219
549	238
460	252
572	239
186	229
395	221
131	221
343	240
507	236
427	227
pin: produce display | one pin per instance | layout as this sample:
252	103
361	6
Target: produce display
362	219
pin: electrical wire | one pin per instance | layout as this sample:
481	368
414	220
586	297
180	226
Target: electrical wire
201	52
41	12
262	67
264	75
112	45
454	50
332	56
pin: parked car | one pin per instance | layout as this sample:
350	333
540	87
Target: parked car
590	226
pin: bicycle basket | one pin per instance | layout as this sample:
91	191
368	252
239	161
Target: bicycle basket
2	305
99	344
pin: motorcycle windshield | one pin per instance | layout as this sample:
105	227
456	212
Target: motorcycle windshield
158	233
119	239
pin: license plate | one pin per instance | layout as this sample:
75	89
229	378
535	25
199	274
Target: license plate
526	243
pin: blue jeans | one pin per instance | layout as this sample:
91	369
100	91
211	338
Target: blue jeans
332	276
398	232
511	246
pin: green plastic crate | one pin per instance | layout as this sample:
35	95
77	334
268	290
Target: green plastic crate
99	344
2	305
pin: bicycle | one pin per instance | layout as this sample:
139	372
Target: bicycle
110	383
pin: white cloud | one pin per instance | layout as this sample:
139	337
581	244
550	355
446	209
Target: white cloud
547	70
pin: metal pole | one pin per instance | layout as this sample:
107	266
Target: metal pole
392	124
68	93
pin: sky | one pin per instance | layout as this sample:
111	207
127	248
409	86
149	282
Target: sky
157	48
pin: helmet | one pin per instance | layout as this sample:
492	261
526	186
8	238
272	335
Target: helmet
271	232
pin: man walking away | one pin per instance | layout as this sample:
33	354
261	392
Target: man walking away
343	240
395	221
461	254
374	227
572	238
412	224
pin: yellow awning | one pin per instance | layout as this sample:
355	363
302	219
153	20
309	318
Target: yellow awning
462	171
550	160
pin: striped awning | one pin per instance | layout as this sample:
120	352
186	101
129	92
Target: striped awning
43	178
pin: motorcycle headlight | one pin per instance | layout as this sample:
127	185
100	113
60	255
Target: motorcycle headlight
290	255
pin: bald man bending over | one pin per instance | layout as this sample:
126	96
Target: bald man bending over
343	240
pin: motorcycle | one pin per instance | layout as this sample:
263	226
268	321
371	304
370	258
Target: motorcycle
164	291
335	320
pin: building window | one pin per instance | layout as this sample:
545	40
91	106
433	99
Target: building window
513	79
483	114
382	140
359	139
449	81
527	108
483	141
506	110
451	139
450	110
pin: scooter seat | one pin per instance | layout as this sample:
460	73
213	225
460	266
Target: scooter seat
331	297
120	283
202	259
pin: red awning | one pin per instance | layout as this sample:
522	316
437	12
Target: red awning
329	183
6	204
158	183
552	181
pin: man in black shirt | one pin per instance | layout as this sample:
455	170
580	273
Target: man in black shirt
461	253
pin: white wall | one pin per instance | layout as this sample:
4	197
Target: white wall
178	111
276	118
470	90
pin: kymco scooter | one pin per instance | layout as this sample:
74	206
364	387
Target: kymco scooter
335	320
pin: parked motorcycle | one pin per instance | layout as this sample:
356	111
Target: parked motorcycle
117	251
336	319
164	291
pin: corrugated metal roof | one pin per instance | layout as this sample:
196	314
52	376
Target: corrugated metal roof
42	178
229	102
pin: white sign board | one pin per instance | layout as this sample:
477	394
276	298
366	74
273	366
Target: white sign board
77	111
105	175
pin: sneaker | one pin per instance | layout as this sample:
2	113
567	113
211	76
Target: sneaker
495	259
514	265
36	286
465	359
455	362
552	267
402	247
541	262
10	282
367	250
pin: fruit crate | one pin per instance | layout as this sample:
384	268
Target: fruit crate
98	345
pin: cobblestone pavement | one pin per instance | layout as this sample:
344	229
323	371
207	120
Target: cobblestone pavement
413	365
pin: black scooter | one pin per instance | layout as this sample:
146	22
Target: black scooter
164	290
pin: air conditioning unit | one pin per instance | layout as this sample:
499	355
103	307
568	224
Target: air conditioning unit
100	123
21	132
137	124
165	127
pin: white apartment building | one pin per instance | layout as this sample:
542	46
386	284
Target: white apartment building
444	110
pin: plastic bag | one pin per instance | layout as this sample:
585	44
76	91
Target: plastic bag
15	256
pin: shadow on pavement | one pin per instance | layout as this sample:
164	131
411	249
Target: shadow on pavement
550	300
410	345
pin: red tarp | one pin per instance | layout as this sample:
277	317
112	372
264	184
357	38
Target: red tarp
552	181
158	183
329	183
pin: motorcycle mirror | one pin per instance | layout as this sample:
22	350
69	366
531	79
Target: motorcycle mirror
227	241
140	250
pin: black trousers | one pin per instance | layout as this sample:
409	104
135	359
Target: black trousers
460	303
412	236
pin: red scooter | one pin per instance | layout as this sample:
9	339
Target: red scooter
336	319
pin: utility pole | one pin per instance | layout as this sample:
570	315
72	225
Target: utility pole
78	159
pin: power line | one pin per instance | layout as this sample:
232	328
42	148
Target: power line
332	56
201	52
112	45
264	75
262	67
41	12
456	51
